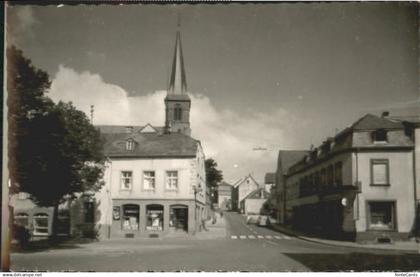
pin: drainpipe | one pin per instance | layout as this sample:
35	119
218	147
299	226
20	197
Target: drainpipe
357	183
415	184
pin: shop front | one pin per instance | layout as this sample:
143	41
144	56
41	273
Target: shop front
178	218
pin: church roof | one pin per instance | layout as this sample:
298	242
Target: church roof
178	80
147	144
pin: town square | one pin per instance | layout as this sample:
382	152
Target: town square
256	137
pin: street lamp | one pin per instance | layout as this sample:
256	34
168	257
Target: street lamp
196	190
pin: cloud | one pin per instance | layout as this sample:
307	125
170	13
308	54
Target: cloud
240	142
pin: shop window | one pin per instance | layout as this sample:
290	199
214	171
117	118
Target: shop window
338	174
379	170
380	136
41	224
126	180
381	215
154	214
149	180
22	219
178	217
131	214
172	180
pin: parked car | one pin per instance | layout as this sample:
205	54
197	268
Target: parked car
263	220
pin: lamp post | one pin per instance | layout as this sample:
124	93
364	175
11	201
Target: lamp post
196	190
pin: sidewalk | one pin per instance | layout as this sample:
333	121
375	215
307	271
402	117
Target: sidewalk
215	231
410	245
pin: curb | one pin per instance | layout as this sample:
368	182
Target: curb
326	242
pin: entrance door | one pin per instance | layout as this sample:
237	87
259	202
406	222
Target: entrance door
179	218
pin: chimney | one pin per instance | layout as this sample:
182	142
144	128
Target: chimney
129	129
385	114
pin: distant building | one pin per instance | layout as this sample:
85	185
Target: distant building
360	184
269	181
155	179
224	192
253	202
242	188
286	159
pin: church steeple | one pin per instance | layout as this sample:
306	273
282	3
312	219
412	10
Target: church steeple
177	101
178	81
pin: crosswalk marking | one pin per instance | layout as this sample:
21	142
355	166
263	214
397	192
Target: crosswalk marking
260	237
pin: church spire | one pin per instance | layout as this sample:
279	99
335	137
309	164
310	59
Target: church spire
178	81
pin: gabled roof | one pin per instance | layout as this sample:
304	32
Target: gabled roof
150	145
242	180
223	183
287	158
270	178
109	129
148	129
373	122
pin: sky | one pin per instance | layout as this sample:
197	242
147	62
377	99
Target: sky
262	77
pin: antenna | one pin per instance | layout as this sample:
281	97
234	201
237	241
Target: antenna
91	113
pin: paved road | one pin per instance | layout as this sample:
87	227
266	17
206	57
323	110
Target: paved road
246	248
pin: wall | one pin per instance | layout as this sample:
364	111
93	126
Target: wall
401	187
417	160
253	206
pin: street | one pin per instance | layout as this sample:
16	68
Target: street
245	248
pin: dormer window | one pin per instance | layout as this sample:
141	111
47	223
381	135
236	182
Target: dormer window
129	145
380	136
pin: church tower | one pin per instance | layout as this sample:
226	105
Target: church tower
177	101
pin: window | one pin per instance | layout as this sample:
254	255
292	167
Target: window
129	145
381	215
154	214
41	224
21	219
330	175
126	180
380	136
149	180
323	178
178	113
379	170
130	220
338	174
172	180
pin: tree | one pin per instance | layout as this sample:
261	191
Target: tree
54	151
213	177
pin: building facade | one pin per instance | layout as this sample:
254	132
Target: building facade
358	185
241	189
224	196
155	176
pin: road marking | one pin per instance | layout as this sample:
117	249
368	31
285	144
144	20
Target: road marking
251	237
268	237
234	237
242	237
260	237
277	237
